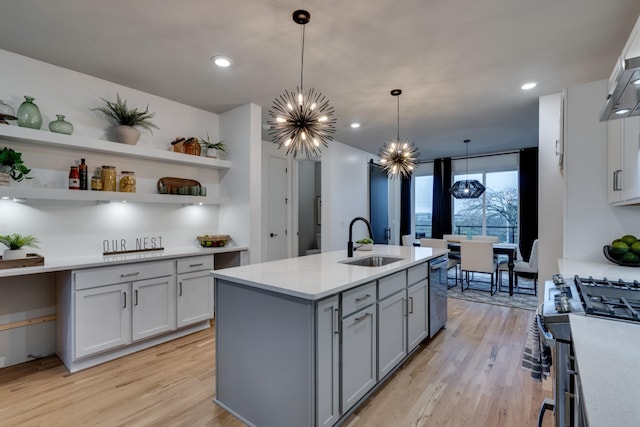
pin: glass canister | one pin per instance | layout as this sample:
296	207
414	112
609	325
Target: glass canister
96	183
127	182
108	175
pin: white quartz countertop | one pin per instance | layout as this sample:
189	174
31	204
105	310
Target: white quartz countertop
608	356
52	264
320	275
569	268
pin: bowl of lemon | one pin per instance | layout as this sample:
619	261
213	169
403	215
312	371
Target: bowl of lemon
623	251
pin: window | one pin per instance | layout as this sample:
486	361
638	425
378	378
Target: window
494	213
423	205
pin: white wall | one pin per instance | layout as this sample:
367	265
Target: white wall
590	222
345	194
550	186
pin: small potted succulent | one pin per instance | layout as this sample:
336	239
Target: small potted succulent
366	244
215	150
14	243
12	166
127	119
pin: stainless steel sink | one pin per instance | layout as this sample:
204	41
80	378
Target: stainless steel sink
372	261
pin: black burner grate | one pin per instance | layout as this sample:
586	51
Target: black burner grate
615	299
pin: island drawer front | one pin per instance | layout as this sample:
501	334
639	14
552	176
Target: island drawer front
123	273
418	273
358	298
196	263
391	284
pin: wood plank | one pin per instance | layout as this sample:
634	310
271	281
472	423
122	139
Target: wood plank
28	322
469	374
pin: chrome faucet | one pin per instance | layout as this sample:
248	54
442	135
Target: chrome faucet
350	242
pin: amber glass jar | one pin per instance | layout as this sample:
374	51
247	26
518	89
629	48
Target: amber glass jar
108	175
127	182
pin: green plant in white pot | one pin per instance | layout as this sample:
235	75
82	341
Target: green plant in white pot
366	244
15	244
215	150
127	119
12	166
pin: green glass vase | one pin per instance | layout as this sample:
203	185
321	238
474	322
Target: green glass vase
60	125
29	114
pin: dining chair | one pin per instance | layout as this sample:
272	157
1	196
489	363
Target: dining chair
523	268
454	237
477	257
442	244
492	239
407	240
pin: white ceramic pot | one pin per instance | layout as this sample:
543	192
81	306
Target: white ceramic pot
212	152
366	247
5	178
127	134
14	254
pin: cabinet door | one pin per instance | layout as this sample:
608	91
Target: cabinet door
195	298
418	314
392	332
327	362
102	319
631	138
358	355
153	304
615	183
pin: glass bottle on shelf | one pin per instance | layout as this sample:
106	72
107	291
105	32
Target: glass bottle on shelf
108	175
74	178
29	114
60	125
127	182
82	169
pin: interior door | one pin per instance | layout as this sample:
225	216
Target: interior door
379	204
277	209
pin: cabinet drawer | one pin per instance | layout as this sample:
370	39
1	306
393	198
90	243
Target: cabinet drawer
196	263
417	273
94	277
357	298
391	284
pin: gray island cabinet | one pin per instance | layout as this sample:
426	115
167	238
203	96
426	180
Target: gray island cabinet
302	341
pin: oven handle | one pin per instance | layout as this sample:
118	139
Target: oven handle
547	405
546	336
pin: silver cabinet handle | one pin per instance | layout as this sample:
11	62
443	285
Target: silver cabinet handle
364	316
125	300
336	320
196	265
363	298
130	274
616	180
180	293
411	303
136	296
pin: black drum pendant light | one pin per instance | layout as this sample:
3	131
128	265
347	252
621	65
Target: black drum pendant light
301	121
467	189
398	158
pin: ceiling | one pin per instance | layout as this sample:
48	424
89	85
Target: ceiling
459	63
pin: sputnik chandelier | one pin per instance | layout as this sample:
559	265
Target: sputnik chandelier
466	188
398	158
301	121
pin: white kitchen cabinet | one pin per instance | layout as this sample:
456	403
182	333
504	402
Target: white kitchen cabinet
153	307
104	316
359	349
624	161
194	290
392	332
417	314
327	362
615	177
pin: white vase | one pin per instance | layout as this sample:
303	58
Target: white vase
127	134
212	152
14	254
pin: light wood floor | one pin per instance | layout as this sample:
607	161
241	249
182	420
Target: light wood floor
468	375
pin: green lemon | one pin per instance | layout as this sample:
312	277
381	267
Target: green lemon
635	248
618	248
630	257
629	239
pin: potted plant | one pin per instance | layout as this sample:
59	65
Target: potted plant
11	165
366	244
127	119
217	150
15	242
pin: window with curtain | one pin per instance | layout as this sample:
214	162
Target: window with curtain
495	213
423	186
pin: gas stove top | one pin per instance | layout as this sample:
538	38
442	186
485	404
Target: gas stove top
614	299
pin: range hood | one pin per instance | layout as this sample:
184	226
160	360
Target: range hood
625	99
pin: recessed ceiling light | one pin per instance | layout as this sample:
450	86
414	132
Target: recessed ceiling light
622	111
221	61
528	85
355	125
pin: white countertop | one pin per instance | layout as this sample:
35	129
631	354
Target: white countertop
608	355
52	264
316	276
599	270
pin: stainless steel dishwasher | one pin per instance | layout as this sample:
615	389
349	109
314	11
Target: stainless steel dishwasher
437	294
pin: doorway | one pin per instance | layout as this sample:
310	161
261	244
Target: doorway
309	207
379	204
277	209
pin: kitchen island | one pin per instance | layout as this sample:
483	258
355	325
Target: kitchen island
302	341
